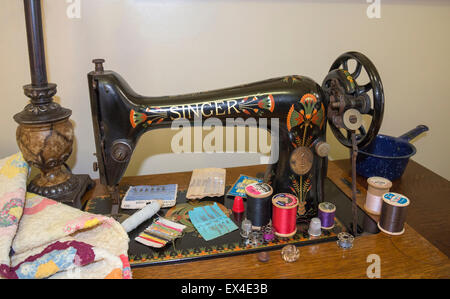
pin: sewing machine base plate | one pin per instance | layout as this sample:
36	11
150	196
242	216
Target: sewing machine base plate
193	247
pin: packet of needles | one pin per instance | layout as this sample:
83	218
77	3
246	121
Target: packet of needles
138	197
211	222
238	188
160	232
206	182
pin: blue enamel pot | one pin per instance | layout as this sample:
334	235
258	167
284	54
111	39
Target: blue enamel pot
387	156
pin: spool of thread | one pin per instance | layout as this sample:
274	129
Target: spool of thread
259	204
393	213
377	186
284	216
142	215
327	211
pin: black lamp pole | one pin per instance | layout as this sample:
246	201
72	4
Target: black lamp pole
35	37
45	133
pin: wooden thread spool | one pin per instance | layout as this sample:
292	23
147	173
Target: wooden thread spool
284	216
393	213
377	186
259	204
326	214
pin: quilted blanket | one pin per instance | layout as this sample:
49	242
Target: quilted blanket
41	238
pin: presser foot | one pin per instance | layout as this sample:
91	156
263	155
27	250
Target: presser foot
115	204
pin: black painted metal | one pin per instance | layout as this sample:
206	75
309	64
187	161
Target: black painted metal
35	38
121	116
357	93
33	20
42	108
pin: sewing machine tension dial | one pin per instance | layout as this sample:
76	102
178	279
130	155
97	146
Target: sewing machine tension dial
301	160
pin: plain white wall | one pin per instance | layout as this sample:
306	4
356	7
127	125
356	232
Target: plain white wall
164	47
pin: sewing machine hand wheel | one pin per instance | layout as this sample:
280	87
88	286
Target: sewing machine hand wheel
349	99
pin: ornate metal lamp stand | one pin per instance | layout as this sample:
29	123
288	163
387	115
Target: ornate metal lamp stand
45	133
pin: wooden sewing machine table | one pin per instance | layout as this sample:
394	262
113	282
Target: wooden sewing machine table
421	252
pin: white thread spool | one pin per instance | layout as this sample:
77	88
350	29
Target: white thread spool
377	186
142	215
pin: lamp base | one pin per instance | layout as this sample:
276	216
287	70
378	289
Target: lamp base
69	192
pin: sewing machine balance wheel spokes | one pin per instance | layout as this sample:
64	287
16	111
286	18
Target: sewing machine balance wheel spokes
356	97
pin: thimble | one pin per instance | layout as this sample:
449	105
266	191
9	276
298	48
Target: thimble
238	205
314	227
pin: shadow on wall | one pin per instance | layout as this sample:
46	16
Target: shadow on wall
154	148
154	152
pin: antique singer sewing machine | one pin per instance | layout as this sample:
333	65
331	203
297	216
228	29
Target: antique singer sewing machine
121	116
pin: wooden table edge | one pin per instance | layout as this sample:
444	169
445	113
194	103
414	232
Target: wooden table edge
407	256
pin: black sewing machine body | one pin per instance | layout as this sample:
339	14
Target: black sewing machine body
121	117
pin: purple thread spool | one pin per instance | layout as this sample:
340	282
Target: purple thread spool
326	214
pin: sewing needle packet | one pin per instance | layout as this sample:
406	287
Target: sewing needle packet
211	222
138	197
206	182
238	188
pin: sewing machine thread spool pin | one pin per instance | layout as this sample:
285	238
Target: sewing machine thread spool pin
99	65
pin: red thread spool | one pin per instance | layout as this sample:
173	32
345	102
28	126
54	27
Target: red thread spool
284	215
